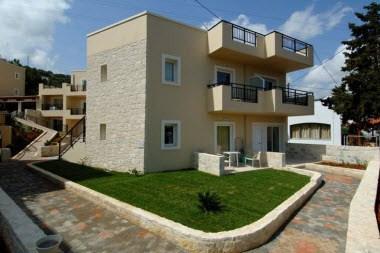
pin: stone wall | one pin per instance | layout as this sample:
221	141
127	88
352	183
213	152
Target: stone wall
273	159
119	103
362	231
209	163
313	153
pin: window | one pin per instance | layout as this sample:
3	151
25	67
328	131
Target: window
224	75
314	131
266	83
103	73
103	129
171	70
17	75
84	82
170	134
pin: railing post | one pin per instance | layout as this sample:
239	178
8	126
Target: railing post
84	130
295	97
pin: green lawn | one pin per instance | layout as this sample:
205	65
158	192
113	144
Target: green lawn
247	196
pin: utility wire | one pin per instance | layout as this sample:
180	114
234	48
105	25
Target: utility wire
323	66
207	9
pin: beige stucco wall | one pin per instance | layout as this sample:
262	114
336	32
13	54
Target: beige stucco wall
77	76
9	85
118	102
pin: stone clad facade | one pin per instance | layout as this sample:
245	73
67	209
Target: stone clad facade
119	103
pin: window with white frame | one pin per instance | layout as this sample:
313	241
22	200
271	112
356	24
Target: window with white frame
170	134
224	75
171	69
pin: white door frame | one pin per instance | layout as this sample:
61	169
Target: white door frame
264	137
230	124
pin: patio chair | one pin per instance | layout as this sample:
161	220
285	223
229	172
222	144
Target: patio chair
253	158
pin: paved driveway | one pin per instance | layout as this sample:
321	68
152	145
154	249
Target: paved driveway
84	226
321	225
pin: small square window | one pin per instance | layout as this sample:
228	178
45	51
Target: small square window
17	75
103	73
103	129
171	70
171	134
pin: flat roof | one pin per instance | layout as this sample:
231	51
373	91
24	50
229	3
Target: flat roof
140	15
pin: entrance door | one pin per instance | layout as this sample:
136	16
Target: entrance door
266	137
223	138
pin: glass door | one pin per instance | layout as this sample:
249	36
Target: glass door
273	139
223	139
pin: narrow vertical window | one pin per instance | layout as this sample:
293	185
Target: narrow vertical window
103	73
170	134
171	70
103	129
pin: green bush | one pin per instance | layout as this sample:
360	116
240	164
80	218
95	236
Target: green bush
209	202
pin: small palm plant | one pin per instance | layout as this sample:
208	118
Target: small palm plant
209	202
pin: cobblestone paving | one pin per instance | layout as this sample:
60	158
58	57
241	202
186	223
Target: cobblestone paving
84	226
321	225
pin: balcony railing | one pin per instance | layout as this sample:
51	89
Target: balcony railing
77	111
244	35
241	92
78	87
52	106
294	45
48	86
296	97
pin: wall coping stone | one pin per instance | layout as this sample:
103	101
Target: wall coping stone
334	170
19	231
237	240
363	232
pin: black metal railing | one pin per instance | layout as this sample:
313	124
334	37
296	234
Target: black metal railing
241	92
73	135
244	35
82	87
294	45
54	106
49	86
296	97
77	111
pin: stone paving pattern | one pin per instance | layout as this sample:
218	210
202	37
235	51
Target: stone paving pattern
321	225
84	226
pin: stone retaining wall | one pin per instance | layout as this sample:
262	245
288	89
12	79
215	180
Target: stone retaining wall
209	163
348	154
17	229
237	240
273	159
363	232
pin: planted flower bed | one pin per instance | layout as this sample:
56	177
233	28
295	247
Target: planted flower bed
344	165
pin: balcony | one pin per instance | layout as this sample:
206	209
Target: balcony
232	42
246	99
77	111
54	106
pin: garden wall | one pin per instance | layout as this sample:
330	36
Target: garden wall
209	163
313	152
363	232
273	159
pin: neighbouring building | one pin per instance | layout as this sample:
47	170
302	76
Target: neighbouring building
323	127
61	107
12	88
160	90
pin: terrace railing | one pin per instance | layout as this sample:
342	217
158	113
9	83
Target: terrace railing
73	135
82	87
242	92
294	45
244	35
294	96
54	106
77	111
48	86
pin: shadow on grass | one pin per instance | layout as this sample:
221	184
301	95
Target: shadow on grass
72	171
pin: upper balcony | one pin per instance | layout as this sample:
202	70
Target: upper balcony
277	50
246	99
62	89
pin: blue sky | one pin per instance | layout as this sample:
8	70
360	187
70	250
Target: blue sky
56	29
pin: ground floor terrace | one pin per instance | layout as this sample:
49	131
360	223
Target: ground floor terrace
319	226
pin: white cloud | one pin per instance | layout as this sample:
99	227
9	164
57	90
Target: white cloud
244	21
211	23
319	81
27	29
306	24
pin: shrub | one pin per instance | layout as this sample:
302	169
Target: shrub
209	202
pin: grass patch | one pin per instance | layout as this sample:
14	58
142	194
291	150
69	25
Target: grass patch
247	196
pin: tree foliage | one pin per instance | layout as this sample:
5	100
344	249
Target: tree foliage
34	76
357	98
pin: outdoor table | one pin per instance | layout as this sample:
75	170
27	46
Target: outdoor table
230	154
